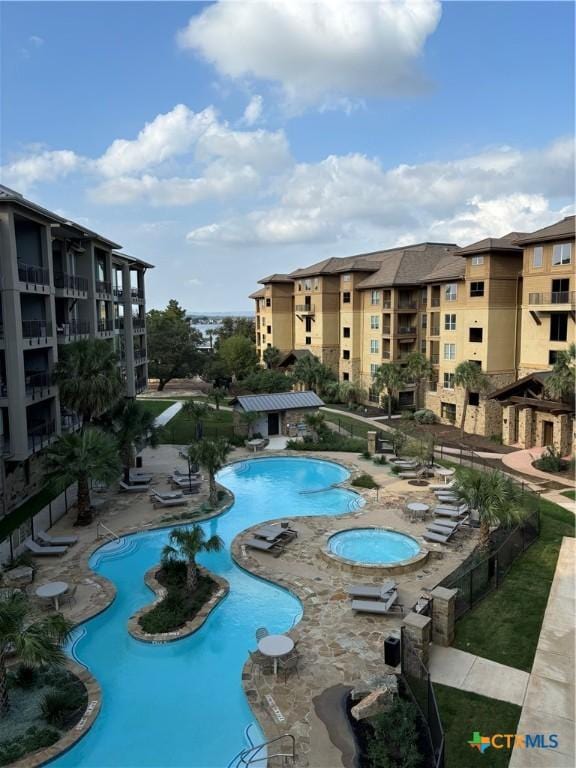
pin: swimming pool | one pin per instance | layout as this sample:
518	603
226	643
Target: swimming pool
182	703
373	546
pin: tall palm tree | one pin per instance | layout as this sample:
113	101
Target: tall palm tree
419	368
78	458
196	411
33	642
492	496
317	423
272	356
133	425
88	378
469	377
389	377
561	383
305	371
210	454
185	544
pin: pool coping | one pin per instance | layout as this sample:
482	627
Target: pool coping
375	569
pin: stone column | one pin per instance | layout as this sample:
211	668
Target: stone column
563	434
419	631
443	604
509	425
371	437
525	417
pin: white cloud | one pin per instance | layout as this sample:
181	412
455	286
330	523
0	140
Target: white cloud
323	52
36	41
253	110
40	165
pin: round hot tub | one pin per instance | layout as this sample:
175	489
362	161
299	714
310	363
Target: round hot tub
383	549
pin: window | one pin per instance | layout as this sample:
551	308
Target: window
449	351
424	320
451	292
552	356
558	326
345	278
448	381
308	340
346	297
475	334
448	411
373	369
308	324
538	256
346	333
477	260
374	322
316	283
345	354
477	289
345	376
562	254
308	285
268	302
423	346
473	398
375	297
374	346
449	322
560	291
268	329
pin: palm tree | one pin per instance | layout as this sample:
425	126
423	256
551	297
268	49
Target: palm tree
492	496
249	419
561	383
190	542
305	371
316	422
470	377
272	356
33	642
389	377
88	378
132	425
197	412
218	395
210	454
80	457
419	368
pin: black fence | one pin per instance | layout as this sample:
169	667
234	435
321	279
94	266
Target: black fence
417	680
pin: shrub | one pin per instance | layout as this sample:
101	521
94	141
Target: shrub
25	677
366	455
266	381
34	738
395	742
552	461
408	415
60	706
332	442
379	459
365	481
398	440
424	416
178	607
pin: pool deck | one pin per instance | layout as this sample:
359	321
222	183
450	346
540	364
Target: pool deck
336	646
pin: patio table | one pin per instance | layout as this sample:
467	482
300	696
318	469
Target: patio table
52	590
417	510
445	472
275	646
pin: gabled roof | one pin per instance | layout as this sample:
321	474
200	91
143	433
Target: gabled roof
258	294
293	355
505	243
276	278
280	401
407	266
561	230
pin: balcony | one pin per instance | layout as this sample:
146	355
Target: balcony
405	304
41	435
70	284
387	304
386	354
138	325
407	330
104	286
39	384
435	359
70	422
118	293
435	330
386	330
36	329
567	298
119	323
33	276
304	309
105	326
435	301
71	329
140	356
140	384
136	293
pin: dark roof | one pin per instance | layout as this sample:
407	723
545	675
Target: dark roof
276	278
505	243
132	260
407	266
280	401
448	268
258	294
560	231
538	378
293	355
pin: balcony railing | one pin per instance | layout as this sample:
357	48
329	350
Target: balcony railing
140	384
305	309
140	355
435	359
118	293
64	281
435	330
103	286
406	330
73	328
36	329
39	383
407	304
33	275
386	330
41	434
387	304
136	293
119	323
69	422
386	355
105	326
138	324
556	297
435	301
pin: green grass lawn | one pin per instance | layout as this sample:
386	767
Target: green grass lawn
463	713
569	495
355	427
156	407
505	626
181	429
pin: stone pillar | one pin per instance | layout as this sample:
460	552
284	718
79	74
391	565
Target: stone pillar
419	631
525	417
371	437
509	425
563	436
443	604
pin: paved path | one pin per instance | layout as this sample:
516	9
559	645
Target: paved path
521	461
556	497
549	703
168	414
467	672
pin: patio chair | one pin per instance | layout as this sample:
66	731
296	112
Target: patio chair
57	541
260	633
288	664
36	549
273	547
138	488
70	595
262	662
379	606
372	591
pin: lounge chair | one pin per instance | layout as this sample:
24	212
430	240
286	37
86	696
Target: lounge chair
275	532
440	538
179	501
378	606
138	488
447	496
449	525
372	591
441	529
274	547
166	495
139	478
442	486
451	510
57	541
36	549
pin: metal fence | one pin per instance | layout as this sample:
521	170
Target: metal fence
417	680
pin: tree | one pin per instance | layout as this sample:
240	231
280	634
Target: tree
185	545
316	422
236	326
313	374
492	496
133	425
196	411
389	377
272	356
264	380
216	371
218	395
88	378
34	642
560	384
249	418
210	454
418	368
80	457
239	354
172	344
469	377
399	440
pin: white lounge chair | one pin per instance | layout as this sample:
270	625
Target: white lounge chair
372	591
442	486
451	510
179	501
36	549
126	488
378	606
57	541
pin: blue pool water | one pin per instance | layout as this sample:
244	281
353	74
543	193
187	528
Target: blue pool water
182	703
373	546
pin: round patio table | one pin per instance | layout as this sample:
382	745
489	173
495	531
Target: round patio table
445	472
275	646
52	590
417	509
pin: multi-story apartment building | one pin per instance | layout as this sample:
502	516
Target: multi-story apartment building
505	303
59	282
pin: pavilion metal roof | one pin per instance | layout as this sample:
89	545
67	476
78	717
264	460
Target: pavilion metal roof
280	401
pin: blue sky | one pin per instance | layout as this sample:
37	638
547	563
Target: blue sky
367	125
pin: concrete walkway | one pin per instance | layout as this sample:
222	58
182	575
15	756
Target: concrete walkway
467	672
556	497
549	703
521	461
168	414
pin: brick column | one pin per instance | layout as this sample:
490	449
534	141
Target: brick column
419	630
443	604
371	437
